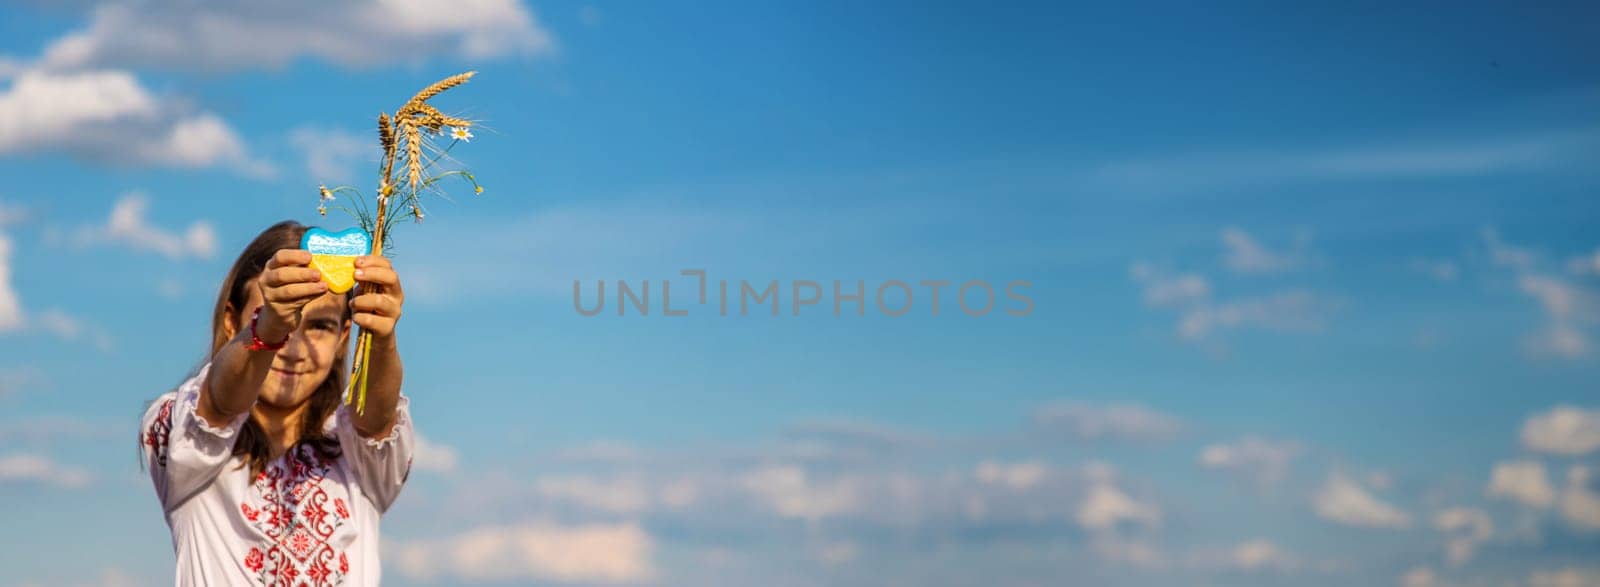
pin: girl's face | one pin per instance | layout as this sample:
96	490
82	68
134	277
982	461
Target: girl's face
307	359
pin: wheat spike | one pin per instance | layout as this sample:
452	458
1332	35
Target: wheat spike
385	134
413	152
435	119
435	89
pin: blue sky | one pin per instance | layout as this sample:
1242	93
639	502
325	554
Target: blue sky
1316	293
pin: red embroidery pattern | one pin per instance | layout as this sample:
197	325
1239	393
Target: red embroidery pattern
298	518
160	430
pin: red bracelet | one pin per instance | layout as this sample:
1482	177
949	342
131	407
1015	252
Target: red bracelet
256	344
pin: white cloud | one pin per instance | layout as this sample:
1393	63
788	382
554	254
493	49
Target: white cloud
1136	553
610	452
1244	254
837	553
170	288
1419	577
14	318
13	380
40	431
1288	311
1200	316
1439	270
625	495
789	492
534	552
1567	577
11	214
1344	501
1585	265
590	16
1164	290
1258	459
1522	481
1106	506
1464	529
1254	556
1107	421
1258	555
1566	306
11	317
70	328
1580	503
26	468
238	35
1017	476
107	115
1569	308
1559	340
1212	169
1505	254
332	154
128	227
433	457
1564	430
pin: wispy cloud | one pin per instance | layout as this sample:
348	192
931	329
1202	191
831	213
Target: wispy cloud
1107	506
1580	501
1571	309
1564	430
16	379
107	115
1401	159
1245	254
1286	311
1117	421
331	154
33	468
433	457
531	552
1263	461
1201	314
1345	501
1464	529
1522	481
127	226
226	36
13	318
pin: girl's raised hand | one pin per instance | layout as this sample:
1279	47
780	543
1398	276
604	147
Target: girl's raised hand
377	307
287	284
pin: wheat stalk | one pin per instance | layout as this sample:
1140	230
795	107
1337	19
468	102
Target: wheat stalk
405	125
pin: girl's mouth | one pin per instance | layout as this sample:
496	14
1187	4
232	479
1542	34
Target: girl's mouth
286	372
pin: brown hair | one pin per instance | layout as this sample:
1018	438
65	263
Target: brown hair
252	443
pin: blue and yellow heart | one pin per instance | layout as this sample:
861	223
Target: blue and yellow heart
334	254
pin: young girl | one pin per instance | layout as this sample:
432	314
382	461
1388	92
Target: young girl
265	475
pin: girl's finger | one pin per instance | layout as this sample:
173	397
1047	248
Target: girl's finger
380	304
374	323
286	275
289	258
295	292
373	261
383	276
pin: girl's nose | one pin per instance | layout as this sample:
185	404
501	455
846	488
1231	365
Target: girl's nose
296	348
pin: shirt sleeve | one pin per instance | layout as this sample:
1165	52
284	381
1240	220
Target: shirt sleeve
381	465
182	451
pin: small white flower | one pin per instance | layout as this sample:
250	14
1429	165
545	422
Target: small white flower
460	133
